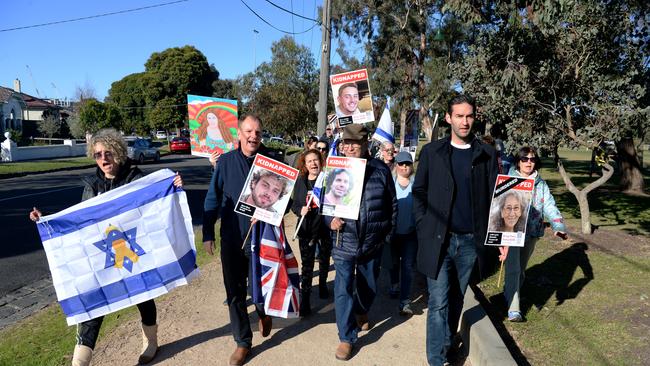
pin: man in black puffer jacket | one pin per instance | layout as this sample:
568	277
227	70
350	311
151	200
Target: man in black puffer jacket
360	242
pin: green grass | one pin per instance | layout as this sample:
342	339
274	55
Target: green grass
595	323
573	319
44	165
45	338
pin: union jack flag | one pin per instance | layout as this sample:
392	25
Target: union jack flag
275	278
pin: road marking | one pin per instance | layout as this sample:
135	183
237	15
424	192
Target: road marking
36	194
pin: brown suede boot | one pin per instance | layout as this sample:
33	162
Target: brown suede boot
344	351
82	355
239	356
149	343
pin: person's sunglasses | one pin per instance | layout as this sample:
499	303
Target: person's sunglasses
98	155
525	159
404	163
322	148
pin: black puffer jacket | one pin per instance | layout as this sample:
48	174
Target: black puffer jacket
363	238
98	183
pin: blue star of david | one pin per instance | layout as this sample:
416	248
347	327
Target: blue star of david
106	246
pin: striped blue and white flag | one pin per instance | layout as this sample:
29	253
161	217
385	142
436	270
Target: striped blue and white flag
384	130
121	248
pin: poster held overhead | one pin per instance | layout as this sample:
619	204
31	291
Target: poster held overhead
352	97
267	190
342	187
409	142
509	211
213	124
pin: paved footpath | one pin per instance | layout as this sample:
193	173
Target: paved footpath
194	327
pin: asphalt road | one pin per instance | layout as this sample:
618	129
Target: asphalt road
22	259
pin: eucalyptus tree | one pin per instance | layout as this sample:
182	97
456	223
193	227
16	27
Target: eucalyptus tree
558	73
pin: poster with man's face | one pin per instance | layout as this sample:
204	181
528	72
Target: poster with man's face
213	124
267	190
352	97
509	211
342	187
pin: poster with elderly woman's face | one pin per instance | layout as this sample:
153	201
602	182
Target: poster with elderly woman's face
509	211
213	124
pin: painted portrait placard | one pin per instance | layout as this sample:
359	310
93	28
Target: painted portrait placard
213	124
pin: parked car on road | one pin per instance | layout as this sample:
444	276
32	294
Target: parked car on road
161	134
179	144
140	150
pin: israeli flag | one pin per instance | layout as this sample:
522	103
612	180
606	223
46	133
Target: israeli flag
384	131
126	246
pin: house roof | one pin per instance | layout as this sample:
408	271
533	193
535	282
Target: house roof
31	101
5	94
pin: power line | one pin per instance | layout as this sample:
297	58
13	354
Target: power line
291	12
274	27
93	16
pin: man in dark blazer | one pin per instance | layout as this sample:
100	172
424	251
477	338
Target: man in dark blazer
452	192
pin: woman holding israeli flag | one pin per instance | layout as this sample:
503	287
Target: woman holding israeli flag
114	169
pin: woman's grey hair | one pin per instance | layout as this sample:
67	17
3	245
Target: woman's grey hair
112	141
497	223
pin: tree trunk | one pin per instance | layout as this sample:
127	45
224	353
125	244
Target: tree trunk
582	195
402	126
425	123
631	177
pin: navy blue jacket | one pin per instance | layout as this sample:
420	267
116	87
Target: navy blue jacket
363	238
433	190
228	180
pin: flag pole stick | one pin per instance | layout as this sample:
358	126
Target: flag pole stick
302	217
337	238
500	272
246	238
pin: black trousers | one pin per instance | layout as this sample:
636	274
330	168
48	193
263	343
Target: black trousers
307	256
88	331
235	264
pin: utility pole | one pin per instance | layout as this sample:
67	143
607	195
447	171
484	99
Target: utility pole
255	33
324	68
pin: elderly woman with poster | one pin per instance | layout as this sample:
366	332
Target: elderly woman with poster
312	232
542	207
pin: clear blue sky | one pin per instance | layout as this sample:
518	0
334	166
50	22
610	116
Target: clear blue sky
102	50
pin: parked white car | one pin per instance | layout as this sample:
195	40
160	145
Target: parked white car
161	134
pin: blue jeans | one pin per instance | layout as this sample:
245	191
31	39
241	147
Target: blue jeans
516	263
404	248
446	295
353	293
